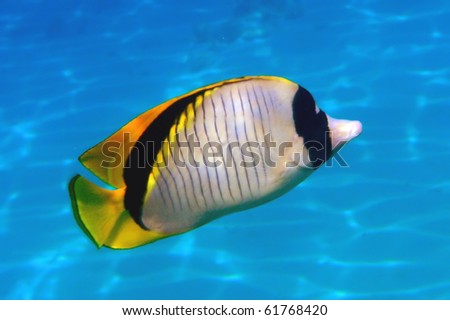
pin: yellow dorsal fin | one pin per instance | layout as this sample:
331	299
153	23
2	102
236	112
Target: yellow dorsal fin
107	159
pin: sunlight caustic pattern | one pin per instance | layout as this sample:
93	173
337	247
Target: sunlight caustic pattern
74	73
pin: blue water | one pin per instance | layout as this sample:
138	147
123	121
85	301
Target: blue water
72	72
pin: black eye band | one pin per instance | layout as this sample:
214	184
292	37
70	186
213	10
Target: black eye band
312	126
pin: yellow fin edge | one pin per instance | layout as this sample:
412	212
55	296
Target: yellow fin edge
100	214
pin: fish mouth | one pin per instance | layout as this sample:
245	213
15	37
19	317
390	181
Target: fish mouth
356	129
343	131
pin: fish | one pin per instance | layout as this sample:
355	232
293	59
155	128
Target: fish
219	149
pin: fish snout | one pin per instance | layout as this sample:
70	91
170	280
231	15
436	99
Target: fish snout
342	131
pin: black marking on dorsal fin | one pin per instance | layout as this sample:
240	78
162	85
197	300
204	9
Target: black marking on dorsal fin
139	163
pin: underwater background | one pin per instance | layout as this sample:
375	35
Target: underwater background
73	72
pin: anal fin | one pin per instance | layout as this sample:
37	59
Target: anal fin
101	215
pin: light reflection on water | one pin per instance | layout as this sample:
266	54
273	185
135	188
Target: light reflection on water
378	229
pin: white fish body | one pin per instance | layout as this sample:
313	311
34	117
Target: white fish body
223	148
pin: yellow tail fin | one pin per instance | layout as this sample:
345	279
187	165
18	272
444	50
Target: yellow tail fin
101	215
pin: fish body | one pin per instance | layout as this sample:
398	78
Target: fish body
219	149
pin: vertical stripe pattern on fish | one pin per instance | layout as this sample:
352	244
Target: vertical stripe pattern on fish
219	149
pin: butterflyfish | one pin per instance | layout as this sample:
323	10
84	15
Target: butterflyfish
219	149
